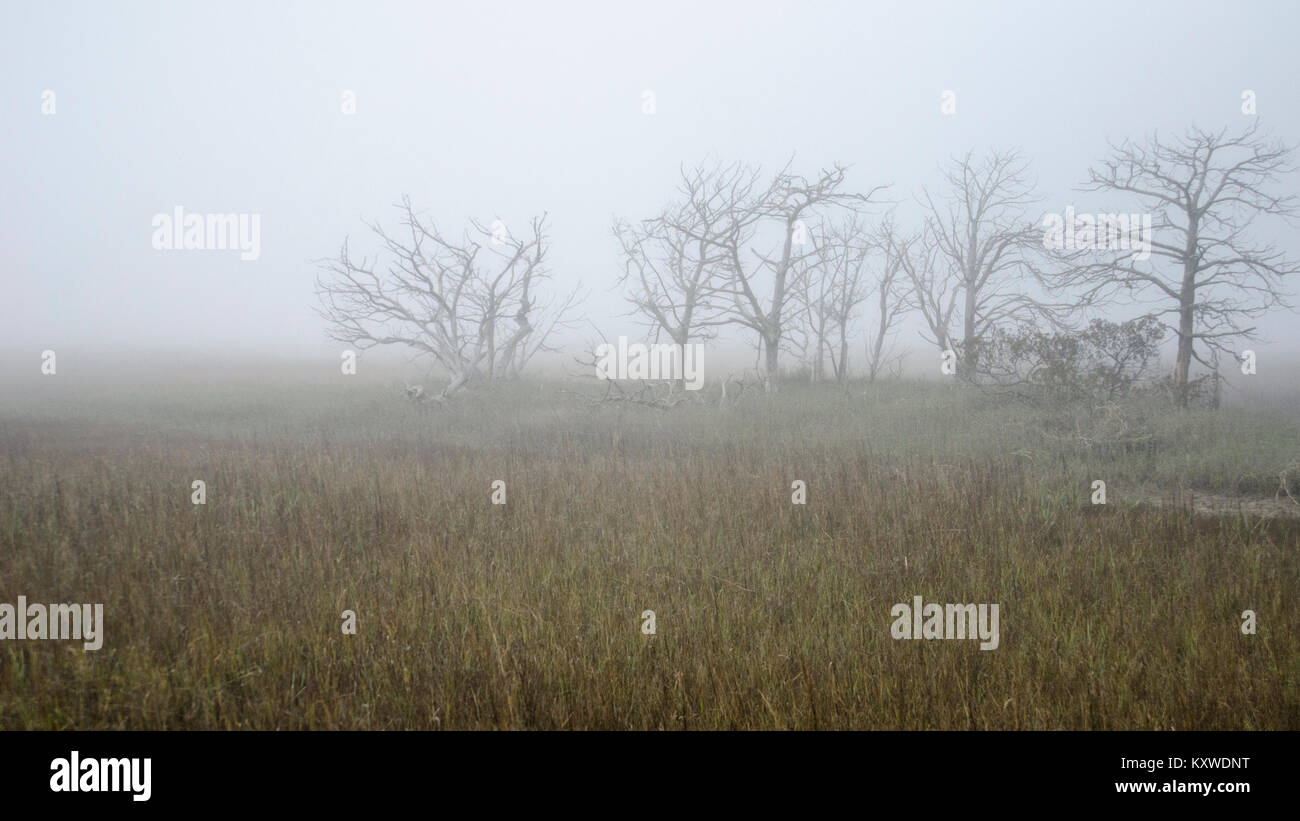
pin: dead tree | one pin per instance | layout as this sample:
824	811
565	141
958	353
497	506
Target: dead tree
833	288
469	303
777	217
892	298
1204	192
934	291
811	321
674	264
977	255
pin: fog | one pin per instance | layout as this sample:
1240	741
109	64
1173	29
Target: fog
927	366
507	110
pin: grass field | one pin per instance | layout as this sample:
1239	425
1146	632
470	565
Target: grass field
325	495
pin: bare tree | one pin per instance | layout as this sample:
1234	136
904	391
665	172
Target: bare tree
830	293
785	206
470	304
675	263
1204	192
973	263
892	297
934	291
811	320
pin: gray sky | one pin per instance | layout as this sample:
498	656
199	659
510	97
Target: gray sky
509	109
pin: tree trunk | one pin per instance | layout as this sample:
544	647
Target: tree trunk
843	374
681	339
819	361
1183	364
1186	326
970	345
771	350
458	381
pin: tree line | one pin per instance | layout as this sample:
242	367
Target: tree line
805	265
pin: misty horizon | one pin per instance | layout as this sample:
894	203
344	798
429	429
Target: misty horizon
524	112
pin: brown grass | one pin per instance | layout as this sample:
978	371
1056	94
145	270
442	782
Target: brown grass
769	615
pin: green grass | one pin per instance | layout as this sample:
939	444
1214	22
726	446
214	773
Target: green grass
325	496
